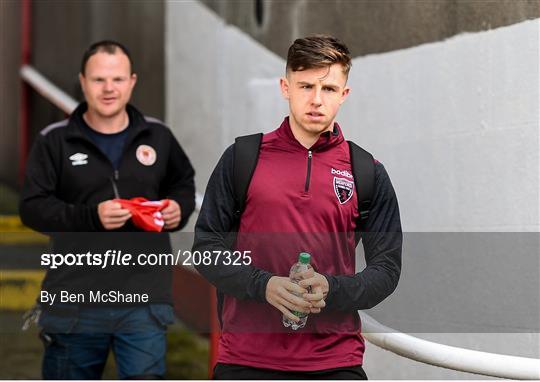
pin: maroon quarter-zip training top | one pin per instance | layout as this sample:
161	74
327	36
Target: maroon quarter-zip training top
299	200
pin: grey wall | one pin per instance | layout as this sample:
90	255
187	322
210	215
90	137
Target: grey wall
9	90
369	26
216	96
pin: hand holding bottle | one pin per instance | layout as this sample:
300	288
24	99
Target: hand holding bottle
285	296
295	276
319	289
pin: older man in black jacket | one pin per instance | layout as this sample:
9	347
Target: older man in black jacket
77	172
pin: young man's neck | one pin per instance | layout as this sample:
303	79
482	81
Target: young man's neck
107	125
305	138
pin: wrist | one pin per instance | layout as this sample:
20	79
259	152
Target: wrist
331	287
96	218
262	294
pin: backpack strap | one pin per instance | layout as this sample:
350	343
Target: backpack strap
363	168
246	155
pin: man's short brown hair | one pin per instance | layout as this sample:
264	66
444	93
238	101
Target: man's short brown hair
107	46
318	51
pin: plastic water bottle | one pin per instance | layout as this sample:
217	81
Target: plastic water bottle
301	266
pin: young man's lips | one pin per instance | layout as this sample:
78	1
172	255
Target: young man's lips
315	116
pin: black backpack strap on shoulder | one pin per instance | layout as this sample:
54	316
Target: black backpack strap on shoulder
363	168
246	154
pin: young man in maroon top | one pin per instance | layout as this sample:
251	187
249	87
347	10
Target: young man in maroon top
293	205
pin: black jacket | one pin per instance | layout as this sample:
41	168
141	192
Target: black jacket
62	190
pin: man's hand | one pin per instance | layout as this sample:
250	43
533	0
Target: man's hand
172	214
279	295
112	215
319	289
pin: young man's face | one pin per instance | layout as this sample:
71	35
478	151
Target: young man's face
315	96
107	83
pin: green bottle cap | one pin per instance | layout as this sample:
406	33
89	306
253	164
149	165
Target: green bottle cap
304	258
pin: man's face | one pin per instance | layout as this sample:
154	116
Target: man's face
315	96
107	83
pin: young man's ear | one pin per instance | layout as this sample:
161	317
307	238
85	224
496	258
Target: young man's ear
345	94
284	86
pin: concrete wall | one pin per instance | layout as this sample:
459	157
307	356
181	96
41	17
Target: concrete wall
455	123
464	113
9	90
220	84
369	26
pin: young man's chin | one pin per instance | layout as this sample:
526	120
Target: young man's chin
316	128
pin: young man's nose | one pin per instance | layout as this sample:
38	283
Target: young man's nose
316	100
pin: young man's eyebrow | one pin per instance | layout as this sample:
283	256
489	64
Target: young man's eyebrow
324	85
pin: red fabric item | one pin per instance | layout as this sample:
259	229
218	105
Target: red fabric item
145	214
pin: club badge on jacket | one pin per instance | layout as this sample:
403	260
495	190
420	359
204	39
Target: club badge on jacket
146	155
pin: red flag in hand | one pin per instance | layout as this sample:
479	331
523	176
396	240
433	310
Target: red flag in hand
145	213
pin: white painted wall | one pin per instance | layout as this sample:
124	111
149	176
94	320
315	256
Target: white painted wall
220	84
456	124
463	114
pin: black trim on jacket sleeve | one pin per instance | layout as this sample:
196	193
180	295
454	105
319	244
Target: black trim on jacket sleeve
179	184
212	233
382	241
39	208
